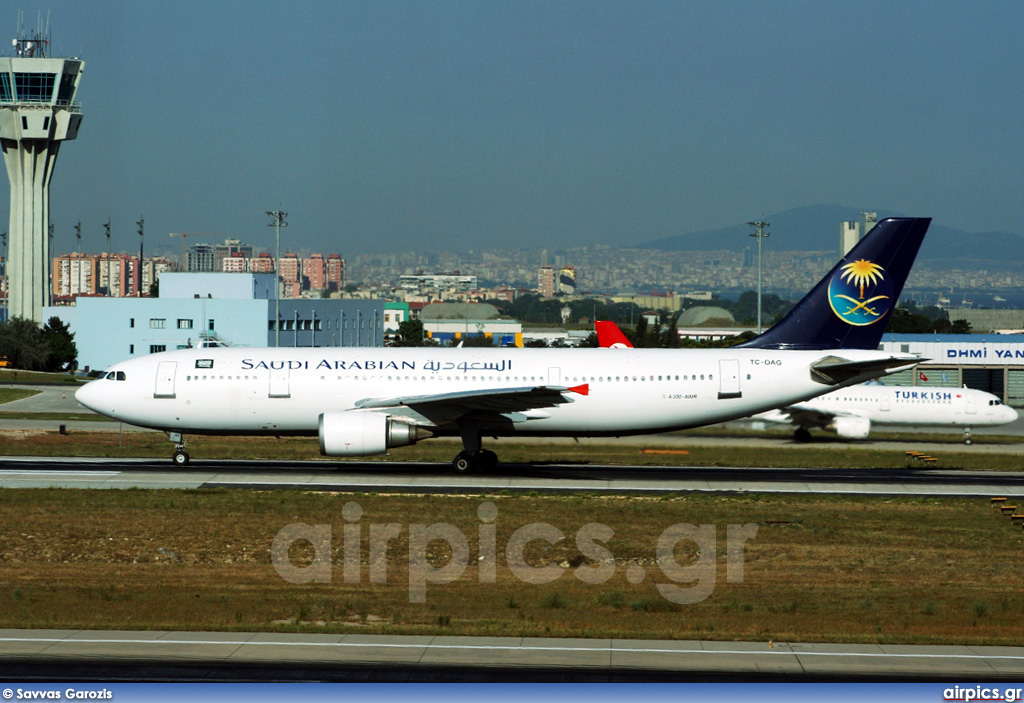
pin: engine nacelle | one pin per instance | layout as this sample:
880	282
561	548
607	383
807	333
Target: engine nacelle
851	427
355	433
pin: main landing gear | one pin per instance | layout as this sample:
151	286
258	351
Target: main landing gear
802	434
473	457
180	456
483	460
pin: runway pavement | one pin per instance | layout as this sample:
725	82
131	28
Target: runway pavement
405	477
260	656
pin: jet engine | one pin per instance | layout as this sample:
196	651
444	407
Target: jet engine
353	433
851	427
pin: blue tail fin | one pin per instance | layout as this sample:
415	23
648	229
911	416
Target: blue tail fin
850	307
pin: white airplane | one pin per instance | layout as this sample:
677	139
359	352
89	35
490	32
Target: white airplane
852	411
362	401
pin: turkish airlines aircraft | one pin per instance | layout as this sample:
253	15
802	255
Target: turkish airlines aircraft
851	412
362	401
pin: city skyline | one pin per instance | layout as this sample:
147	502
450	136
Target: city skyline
381	127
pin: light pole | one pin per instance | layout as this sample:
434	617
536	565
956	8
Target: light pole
49	268
7	283
759	234
277	222
107	228
142	267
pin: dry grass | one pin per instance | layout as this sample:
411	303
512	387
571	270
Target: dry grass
819	569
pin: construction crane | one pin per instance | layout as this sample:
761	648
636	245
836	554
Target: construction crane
183	235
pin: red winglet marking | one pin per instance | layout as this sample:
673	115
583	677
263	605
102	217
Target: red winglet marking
582	390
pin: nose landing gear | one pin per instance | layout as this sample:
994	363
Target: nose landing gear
180	456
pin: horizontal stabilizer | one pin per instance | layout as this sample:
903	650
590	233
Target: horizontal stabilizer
833	370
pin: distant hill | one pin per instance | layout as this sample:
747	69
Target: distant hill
816	228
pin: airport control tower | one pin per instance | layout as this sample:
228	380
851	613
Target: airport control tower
37	112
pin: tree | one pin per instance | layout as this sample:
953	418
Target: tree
473	340
961	327
640	333
773	307
670	335
903	321
21	341
410	334
60	344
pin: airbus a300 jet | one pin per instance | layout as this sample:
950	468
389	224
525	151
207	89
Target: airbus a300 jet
363	401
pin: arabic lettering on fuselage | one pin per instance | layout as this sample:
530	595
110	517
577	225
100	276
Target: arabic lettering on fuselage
499	366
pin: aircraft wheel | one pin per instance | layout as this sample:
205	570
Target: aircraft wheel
968	440
463	463
802	435
180	457
487	460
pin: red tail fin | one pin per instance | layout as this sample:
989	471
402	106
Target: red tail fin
609	335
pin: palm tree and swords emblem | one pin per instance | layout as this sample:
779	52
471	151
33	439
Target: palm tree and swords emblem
856	292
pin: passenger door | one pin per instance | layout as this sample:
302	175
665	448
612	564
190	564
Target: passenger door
729	379
165	371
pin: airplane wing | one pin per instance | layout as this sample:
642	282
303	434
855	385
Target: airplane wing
801	415
508	403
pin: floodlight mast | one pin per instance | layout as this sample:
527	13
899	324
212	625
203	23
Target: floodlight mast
277	221
759	234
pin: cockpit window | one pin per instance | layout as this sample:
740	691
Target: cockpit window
120	376
115	376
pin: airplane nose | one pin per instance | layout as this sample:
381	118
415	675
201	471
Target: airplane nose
87	395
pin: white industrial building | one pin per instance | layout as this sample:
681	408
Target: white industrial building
231	308
993	363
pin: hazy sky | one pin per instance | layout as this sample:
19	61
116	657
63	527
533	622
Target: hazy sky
453	125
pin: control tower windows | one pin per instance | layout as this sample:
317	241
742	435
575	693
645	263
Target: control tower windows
67	88
6	94
34	87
